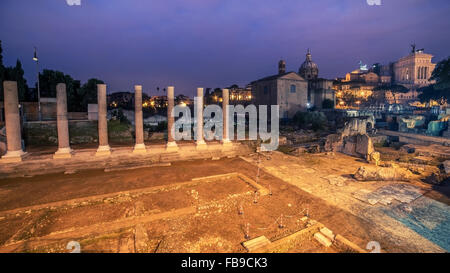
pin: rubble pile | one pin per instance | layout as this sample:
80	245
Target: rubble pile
353	140
375	173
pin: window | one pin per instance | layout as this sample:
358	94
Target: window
292	88
266	90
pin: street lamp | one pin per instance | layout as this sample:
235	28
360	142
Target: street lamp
35	58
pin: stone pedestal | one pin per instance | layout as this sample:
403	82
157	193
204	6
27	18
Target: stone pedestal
225	101
64	150
103	148
139	148
14	152
200	143
171	144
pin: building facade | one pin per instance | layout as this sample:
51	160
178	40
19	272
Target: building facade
414	70
293	91
287	90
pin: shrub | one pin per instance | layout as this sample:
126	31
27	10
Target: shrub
310	120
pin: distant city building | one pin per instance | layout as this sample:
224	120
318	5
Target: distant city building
308	70
414	70
237	95
381	81
240	95
287	90
293	91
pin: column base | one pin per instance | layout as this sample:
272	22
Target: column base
104	150
13	156
226	142
172	146
201	145
139	149
63	153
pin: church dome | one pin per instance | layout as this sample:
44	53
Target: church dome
309	69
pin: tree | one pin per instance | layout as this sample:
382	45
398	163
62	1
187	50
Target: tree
440	91
327	104
16	74
2	71
88	92
78	96
48	80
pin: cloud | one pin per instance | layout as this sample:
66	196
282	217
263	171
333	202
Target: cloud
215	43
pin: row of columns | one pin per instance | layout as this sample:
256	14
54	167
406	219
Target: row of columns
15	152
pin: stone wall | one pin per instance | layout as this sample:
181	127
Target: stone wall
290	103
80	132
352	140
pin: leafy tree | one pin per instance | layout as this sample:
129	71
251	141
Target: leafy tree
441	74
2	71
310	120
78	96
440	91
394	88
88	92
327	104
48	80
16	74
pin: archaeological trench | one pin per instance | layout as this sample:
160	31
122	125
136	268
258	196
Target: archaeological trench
355	189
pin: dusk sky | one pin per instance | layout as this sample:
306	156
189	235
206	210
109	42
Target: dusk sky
214	43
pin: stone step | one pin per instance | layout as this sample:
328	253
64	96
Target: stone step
328	233
322	239
256	243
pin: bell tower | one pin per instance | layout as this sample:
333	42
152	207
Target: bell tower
281	67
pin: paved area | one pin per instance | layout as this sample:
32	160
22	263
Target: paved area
311	173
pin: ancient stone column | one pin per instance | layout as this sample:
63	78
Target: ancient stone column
201	144
14	152
103	148
171	144
139	148
62	123
225	101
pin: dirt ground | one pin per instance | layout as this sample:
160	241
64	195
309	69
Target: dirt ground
116	212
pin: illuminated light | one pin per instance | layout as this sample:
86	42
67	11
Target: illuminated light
220	99
152	103
182	104
341	102
358	102
249	97
145	104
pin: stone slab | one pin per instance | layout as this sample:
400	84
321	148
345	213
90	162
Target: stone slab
256	243
322	239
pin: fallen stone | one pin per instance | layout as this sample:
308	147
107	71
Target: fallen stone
322	239
422	159
336	180
141	238
375	157
408	148
446	165
328	233
70	171
256	243
375	173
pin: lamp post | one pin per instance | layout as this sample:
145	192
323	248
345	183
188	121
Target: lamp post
35	58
